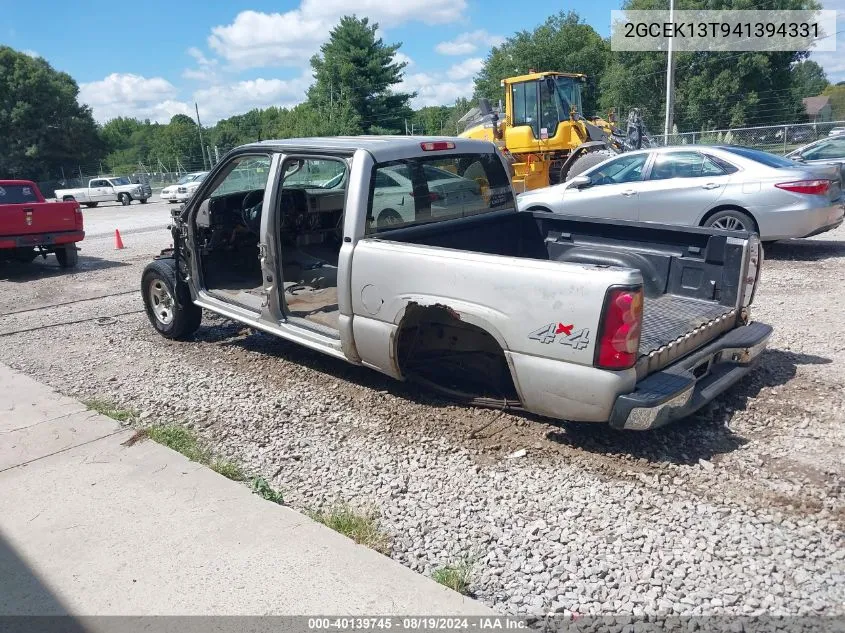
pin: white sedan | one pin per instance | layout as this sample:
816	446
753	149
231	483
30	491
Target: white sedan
725	187
184	187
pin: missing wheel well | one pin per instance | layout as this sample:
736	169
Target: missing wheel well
463	361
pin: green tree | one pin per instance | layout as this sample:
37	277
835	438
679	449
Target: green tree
357	68
563	43
712	89
43	128
837	100
808	79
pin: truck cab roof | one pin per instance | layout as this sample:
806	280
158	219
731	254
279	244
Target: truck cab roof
382	148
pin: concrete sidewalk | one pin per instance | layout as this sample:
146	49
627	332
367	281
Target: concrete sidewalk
90	527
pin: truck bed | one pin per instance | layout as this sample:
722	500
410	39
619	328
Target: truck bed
691	276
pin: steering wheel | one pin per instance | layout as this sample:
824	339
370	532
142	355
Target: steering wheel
251	210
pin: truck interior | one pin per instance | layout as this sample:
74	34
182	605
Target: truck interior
309	221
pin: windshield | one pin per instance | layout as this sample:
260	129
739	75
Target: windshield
120	181
184	180
770	160
568	94
317	174
434	188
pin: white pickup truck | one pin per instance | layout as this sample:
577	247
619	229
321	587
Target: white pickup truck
591	320
106	190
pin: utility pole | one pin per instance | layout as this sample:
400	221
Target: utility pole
670	81
199	129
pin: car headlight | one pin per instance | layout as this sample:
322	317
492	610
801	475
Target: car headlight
181	190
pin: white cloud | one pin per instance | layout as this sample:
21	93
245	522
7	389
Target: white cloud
467	43
224	100
206	70
466	69
125	94
432	90
834	62
256	39
30	52
399	57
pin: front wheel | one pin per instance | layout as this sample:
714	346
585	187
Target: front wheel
585	162
731	220
143	200
91	205
388	218
124	199
168	304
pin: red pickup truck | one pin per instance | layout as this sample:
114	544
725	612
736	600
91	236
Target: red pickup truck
31	226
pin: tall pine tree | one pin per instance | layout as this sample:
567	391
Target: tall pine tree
357	69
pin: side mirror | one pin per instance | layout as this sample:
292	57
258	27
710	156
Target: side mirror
579	182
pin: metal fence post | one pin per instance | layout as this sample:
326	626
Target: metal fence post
784	139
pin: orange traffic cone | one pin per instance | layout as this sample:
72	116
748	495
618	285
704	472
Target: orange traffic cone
118	243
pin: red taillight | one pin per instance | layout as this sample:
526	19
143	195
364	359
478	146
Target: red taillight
436	146
621	327
811	187
78	215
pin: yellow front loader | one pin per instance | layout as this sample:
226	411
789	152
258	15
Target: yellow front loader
544	134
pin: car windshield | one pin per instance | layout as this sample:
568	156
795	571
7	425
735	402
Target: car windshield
316	174
120	181
770	160
435	188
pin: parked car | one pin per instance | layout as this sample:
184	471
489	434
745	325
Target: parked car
836	130
106	190
732	188
31	226
629	323
184	187
827	151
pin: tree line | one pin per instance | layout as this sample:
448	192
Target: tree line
45	133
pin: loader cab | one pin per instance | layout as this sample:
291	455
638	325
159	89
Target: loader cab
539	108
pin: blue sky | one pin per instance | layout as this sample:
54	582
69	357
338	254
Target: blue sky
154	59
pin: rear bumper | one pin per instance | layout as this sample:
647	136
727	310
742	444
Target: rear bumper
685	387
41	239
791	223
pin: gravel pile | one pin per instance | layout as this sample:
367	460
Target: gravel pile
739	510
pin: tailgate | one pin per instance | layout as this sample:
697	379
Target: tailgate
37	217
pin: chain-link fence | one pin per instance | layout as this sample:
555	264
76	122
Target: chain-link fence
779	139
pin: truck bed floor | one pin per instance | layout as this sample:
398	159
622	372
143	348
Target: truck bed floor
669	317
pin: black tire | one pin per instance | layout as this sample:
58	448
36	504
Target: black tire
731	220
68	199
144	200
124	199
91	205
68	256
180	318
388	218
585	162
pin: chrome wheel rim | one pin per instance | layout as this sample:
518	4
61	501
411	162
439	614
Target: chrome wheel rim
161	301
729	223
389	219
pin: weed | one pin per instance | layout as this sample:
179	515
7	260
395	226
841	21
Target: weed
184	441
109	409
360	527
456	576
266	491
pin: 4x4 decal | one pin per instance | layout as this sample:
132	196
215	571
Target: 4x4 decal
549	333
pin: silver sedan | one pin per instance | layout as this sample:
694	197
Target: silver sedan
733	188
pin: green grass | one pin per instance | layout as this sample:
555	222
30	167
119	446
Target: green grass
457	576
109	409
361	527
184	441
266	491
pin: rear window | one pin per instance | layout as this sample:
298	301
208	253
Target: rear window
434	188
770	160
17	194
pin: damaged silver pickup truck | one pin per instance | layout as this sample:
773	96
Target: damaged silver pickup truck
407	255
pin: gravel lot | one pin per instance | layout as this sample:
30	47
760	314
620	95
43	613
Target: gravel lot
737	510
